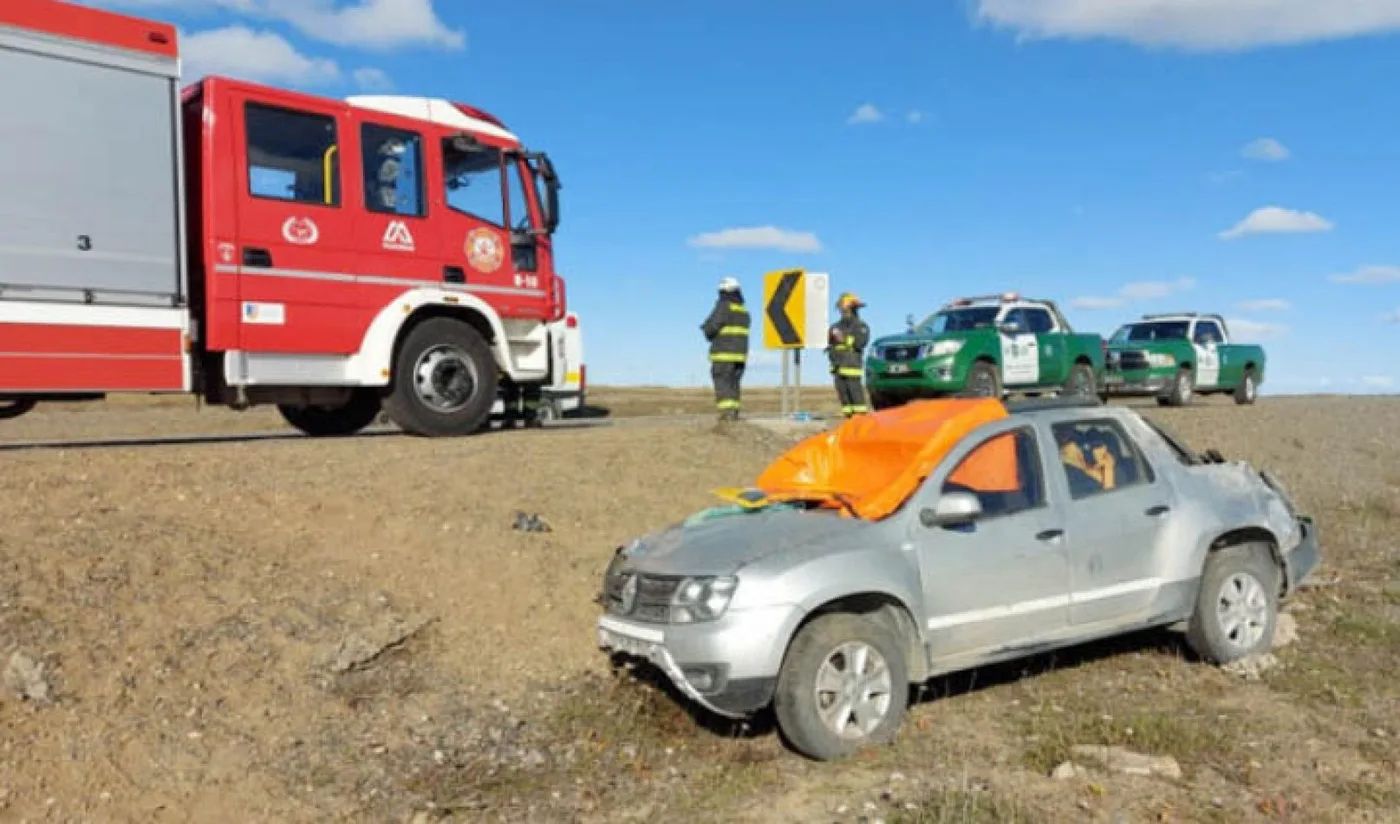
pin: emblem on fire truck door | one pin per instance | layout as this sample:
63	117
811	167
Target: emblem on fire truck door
483	250
300	230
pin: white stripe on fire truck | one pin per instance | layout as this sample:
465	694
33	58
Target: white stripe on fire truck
76	314
375	280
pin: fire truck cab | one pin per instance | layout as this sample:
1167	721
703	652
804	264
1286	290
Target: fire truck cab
255	245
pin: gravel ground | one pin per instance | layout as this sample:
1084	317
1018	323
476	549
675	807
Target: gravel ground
298	630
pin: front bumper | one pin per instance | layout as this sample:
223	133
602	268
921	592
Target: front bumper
1300	562
934	375
729	666
1135	383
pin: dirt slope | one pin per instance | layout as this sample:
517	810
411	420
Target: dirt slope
296	630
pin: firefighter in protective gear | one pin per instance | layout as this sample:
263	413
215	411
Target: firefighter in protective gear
846	341
727	330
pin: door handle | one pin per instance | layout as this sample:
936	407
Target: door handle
1050	535
257	257
453	274
1158	511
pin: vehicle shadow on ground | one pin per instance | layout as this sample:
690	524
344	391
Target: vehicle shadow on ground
1160	640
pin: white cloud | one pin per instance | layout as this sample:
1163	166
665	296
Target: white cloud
1277	220
915	116
1199	25
865	113
261	56
1369	274
369	24
1266	305
373	80
1253	331
758	237
1265	148
1138	291
1378	381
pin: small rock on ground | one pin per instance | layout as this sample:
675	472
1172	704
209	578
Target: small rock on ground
1285	630
25	677
1129	762
1068	771
1252	667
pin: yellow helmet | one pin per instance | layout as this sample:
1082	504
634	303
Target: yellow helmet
849	299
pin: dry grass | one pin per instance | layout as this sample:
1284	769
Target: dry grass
187	597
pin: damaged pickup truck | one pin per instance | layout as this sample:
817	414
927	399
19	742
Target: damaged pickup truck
942	536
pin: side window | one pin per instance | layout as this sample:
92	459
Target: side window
1004	472
1098	457
1039	321
1016	315
519	204
393	170
1208	332
473	182
292	155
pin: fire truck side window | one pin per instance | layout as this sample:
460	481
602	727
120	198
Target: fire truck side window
292	155
473	182
393	160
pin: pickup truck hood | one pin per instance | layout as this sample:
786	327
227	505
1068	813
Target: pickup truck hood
915	338
712	543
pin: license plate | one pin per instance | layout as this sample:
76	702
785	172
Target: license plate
898	369
622	643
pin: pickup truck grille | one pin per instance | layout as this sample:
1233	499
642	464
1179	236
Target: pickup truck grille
1125	360
652	601
903	352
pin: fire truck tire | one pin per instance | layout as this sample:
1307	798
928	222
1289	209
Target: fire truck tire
15	407
334	421
445	380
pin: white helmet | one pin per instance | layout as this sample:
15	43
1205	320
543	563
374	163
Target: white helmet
729	284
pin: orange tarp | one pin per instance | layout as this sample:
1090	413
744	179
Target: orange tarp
874	462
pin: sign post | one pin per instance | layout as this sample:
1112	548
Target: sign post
794	318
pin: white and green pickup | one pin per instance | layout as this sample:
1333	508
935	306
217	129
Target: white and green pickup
1176	356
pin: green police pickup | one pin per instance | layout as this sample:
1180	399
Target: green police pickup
985	346
1175	356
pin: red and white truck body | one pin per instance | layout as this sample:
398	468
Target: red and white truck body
258	245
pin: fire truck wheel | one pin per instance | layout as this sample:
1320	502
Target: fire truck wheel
334	421
445	380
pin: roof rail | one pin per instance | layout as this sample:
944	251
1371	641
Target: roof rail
1158	315
1061	402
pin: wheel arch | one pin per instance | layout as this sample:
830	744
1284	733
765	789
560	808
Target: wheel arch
391	326
886	609
1245	536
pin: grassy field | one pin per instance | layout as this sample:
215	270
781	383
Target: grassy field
298	630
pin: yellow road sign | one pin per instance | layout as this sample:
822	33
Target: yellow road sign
785	309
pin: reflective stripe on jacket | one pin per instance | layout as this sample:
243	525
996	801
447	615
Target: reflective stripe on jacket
727	330
848	355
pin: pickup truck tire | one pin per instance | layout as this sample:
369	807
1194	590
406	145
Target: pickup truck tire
1248	389
984	380
1081	382
445	380
816	680
1237	606
1183	384
334	421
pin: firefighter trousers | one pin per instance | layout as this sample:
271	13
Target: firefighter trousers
851	392
522	402
727	376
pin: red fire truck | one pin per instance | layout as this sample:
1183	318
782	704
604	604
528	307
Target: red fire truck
252	245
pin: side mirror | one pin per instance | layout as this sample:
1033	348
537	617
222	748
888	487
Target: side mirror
952	509
909	322
1011	327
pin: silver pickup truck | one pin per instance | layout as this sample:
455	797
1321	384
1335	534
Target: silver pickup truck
831	619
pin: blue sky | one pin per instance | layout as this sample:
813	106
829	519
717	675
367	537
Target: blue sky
1119	156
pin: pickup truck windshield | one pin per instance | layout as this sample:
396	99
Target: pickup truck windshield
960	320
1161	330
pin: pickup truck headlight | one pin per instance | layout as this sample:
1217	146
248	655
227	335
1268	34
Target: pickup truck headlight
1158	359
702	599
944	347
